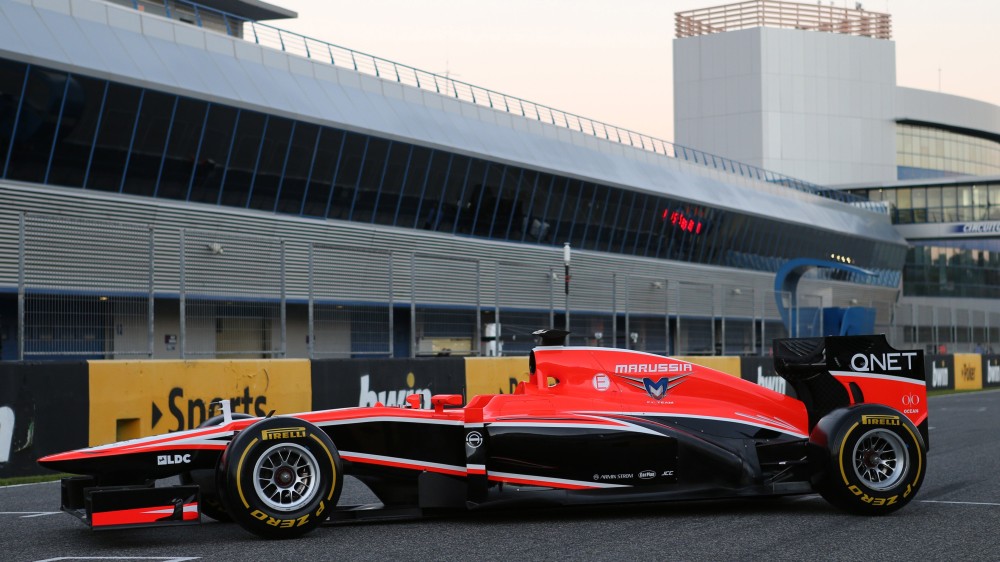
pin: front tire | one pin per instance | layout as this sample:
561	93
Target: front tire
280	477
869	459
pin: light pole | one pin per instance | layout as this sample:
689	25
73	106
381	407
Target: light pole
566	257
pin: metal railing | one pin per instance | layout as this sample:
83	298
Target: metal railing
322	51
787	15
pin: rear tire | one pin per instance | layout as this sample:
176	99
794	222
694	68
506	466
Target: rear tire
280	477
870	459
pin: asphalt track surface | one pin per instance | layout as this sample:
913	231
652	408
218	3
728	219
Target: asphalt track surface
955	516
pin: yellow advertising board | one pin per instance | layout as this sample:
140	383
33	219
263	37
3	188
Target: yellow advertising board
494	375
968	371
130	399
728	365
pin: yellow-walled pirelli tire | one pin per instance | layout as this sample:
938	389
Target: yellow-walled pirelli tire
869	459
205	478
280	477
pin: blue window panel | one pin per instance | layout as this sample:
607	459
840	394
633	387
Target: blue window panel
463	212
197	153
97	129
229	156
515	213
315	200
540	232
454	190
574	192
655	226
336	173
381	181
430	194
55	137
600	230
39	115
393	182
148	143
114	138
360	175
284	165
476	200
642	225
294	202
276	145
79	121
256	163
131	141
593	209
460	201
531	219
163	159
408	206
439	213
617	210
395	203
209	172
626	230
560	191
14	124
505	178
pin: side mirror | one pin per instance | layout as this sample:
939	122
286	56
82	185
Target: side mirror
439	401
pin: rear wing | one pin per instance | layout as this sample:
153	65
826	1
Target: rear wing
838	371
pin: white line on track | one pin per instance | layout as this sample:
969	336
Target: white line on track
27	514
992	504
163	558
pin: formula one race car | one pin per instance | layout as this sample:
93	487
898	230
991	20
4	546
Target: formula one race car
591	426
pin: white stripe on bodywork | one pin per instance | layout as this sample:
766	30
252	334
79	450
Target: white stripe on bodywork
400	460
713	418
542	479
376	419
878	376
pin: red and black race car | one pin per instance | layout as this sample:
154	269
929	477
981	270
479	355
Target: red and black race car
591	426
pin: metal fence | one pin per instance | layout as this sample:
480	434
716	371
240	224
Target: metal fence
93	289
350	302
70	306
232	295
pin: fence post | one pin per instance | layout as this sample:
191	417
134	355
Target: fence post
628	310
392	317
183	301
496	309
413	305
479	310
614	309
20	288
666	317
724	294
284	311
715	293
151	315
552	298
311	328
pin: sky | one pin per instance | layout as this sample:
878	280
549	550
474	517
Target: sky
610	60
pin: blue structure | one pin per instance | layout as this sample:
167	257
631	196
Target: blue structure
837	321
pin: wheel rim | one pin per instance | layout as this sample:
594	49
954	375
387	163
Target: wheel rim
880	459
286	477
